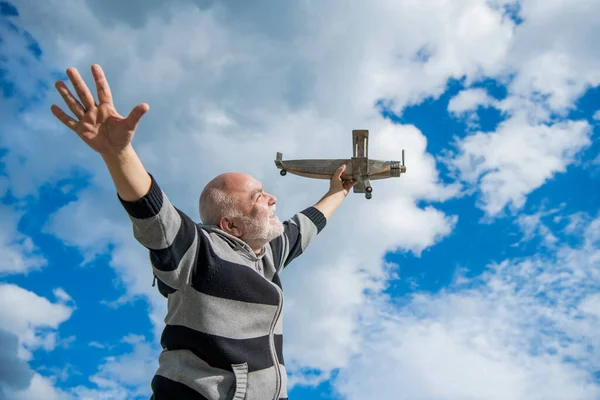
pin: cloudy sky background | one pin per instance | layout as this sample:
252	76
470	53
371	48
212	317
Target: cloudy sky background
473	276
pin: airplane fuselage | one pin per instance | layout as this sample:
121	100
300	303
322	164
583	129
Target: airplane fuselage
358	168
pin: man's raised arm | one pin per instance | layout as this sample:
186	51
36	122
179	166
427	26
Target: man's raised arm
338	190
304	226
170	235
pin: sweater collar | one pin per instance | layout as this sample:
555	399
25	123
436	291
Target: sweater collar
236	243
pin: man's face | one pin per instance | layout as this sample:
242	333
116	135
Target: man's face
259	222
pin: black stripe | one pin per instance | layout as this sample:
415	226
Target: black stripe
163	288
277	250
220	278
279	348
277	281
316	216
146	207
221	352
167	389
168	259
295	242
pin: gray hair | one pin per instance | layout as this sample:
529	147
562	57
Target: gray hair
216	203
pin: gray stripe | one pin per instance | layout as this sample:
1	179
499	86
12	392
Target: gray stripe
278	330
261	384
221	317
308	230
182	275
184	367
159	231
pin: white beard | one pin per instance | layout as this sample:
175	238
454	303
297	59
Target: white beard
259	232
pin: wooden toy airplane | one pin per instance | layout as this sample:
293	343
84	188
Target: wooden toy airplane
358	168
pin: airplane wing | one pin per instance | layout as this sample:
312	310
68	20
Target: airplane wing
360	138
359	186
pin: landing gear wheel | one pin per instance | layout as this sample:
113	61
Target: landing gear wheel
369	189
368	196
283	172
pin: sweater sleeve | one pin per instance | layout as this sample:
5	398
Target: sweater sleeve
170	236
297	234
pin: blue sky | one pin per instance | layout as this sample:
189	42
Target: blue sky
473	276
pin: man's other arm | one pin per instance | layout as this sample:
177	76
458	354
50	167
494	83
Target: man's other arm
167	233
298	232
338	190
304	226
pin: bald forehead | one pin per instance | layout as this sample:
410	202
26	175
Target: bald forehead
235	182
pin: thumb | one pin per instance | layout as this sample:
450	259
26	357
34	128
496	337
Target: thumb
340	170
136	115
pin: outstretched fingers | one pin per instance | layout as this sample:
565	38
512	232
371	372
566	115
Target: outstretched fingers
81	88
104	94
74	105
63	117
136	115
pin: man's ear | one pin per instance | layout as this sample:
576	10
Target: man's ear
230	226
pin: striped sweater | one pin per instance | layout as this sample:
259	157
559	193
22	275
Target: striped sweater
224	332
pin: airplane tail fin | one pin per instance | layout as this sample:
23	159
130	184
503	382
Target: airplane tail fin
278	159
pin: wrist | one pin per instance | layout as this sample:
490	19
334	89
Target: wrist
336	192
121	157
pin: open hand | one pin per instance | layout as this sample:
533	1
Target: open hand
338	185
100	126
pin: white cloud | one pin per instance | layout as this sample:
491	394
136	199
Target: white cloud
41	387
18	375
120	377
532	226
19	254
497	336
591	305
553	62
34	319
554	52
470	100
125	376
467	102
61	295
517	158
92	242
596	115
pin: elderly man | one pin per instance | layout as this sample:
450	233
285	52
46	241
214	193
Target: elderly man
223	334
